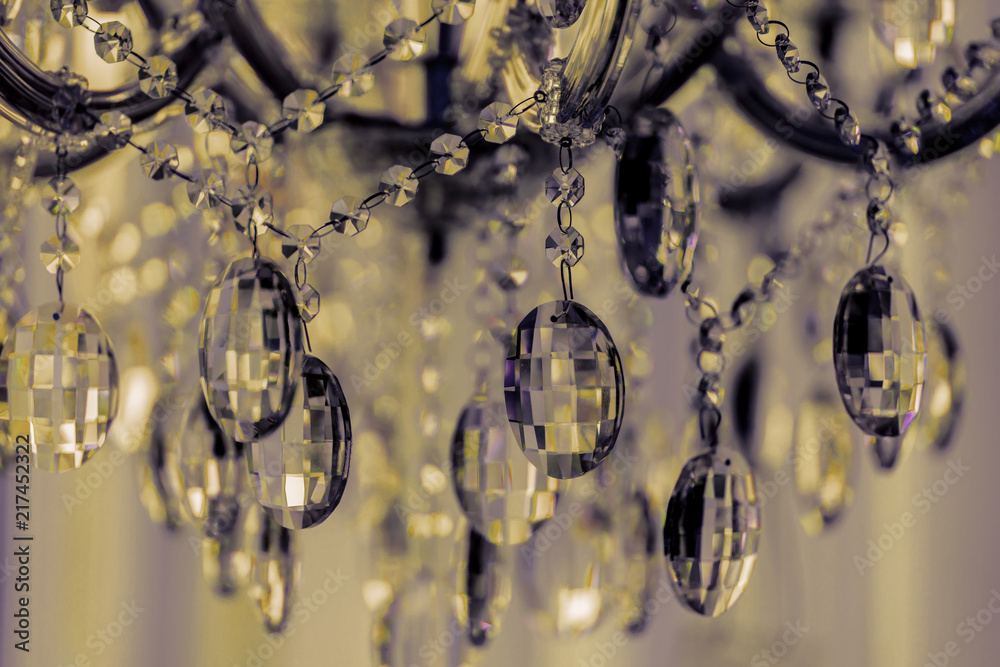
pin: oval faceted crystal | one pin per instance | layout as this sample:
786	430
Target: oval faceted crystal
300	471
58	386
658	201
564	389
504	496
823	462
711	532
878	351
250	349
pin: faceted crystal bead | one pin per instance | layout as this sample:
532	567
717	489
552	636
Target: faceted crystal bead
930	106
348	217
453	12
451	152
59	253
914	30
302	107
308	303
907	136
226	559
207	190
300	240
960	85
274	569
405	38
158	77
879	352
484	590
787	52
250	349
58	386
60	196
353	75
564	187
113	42
159	160
564	389
300	471
818	91
658	202
255	140
711	532
510	273
847	126
564	247
757	15
944	388
114	130
879	217
158	493
561	13
502	494
205	110
206	469
823	462
982	54
398	182
418	616
498	125
69	13
253	207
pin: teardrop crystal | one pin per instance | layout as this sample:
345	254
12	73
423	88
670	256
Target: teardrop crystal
658	201
503	495
823	462
484	589
564	389
300	471
250	349
711	531
878	351
58	386
226	559
274	569
414	624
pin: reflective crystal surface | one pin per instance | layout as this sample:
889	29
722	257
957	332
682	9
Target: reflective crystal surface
353	75
60	253
253	207
561	13
484	590
502	494
818	91
300	471
250	349
69	13
226	557
411	628
847	126
406	39
564	187
453	12
274	569
657	204
299	240
400	185
499	127
568	247
114	130
348	217
308	303
303	107
509	273
207	190
58	386
564	389
787	53
757	15
158	78
945	387
254	141
206	110
113	42
914	30
711	531
159	160
451	152
879	351
158	491
823	462
60	196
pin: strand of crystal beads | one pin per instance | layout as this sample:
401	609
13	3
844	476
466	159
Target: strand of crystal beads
564	187
60	197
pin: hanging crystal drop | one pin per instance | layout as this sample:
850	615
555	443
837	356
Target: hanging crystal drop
502	494
348	217
159	160
69	13
58	386
711	531
300	471
657	206
568	247
889	452
158	77
484	590
226	558
157	492
453	12
945	387
205	467
304	109
205	110
405	39
274	569
564	389
419	616
354	76
60	253
451	153
914	30
823	463
250	349
60	196
308	303
113	42
878	351
564	187
561	13
497	123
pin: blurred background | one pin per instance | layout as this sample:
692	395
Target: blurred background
900	573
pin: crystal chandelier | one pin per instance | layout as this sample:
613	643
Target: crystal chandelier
693	181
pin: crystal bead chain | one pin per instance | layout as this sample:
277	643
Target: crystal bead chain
565	187
60	198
